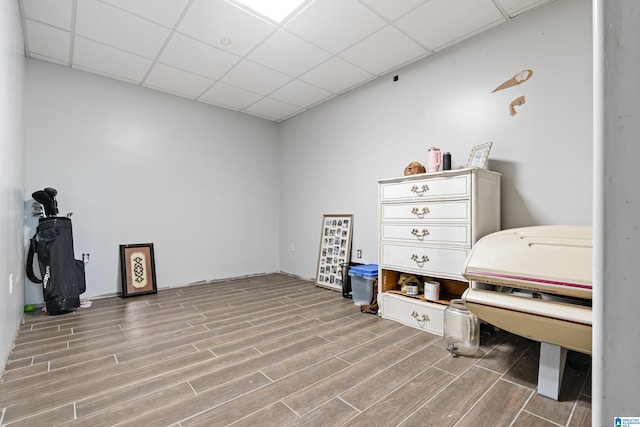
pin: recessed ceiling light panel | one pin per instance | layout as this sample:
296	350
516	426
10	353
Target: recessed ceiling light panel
276	10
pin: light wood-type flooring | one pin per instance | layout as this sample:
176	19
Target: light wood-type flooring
269	350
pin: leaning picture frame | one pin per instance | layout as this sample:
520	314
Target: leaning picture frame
335	250
479	155
137	269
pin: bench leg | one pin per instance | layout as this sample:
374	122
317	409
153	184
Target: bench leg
550	370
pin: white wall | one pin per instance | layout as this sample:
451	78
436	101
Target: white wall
138	166
333	155
616	315
11	174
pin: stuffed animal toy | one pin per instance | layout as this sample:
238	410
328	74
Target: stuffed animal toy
409	278
414	168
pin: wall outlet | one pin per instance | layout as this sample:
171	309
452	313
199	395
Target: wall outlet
359	253
11	283
293	247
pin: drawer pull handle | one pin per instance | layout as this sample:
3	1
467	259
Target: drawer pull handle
420	261
420	236
420	214
420	191
424	318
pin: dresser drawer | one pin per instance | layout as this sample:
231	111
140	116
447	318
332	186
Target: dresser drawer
427	188
427	211
424	260
418	314
454	234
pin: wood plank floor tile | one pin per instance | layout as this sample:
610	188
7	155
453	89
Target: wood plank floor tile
42	345
526	419
525	370
28	371
365	350
498	407
201	403
209	380
417	340
377	387
19	364
267	395
505	354
275	415
45	397
31	353
228	335
138	406
326	389
34	339
79	354
160	381
350	323
256	335
560	411
455	400
60	416
333	413
23	388
582	413
455	364
288	353
405	400
303	360
322	330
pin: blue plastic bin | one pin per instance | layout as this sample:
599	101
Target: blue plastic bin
362	278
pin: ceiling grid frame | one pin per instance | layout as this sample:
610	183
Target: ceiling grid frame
374	41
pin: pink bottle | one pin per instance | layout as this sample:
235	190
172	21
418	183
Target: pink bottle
434	159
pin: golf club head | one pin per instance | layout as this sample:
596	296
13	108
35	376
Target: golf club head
53	193
42	197
45	200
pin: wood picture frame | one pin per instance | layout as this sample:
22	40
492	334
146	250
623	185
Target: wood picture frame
479	155
137	269
335	250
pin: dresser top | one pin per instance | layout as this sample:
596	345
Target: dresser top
449	173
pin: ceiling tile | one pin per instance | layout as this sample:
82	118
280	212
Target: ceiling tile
173	80
161	12
336	75
301	94
197	57
335	24
114	27
516	7
439	23
229	96
215	21
255	78
288	54
392	10
272	109
56	13
383	51
106	60
48	41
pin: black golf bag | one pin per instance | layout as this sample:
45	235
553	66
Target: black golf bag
63	279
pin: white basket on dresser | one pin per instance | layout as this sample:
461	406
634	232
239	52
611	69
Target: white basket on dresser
427	225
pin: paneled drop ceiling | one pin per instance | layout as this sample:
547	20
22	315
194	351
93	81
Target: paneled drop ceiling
218	52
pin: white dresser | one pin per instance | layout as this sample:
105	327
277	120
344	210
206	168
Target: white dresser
427	225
